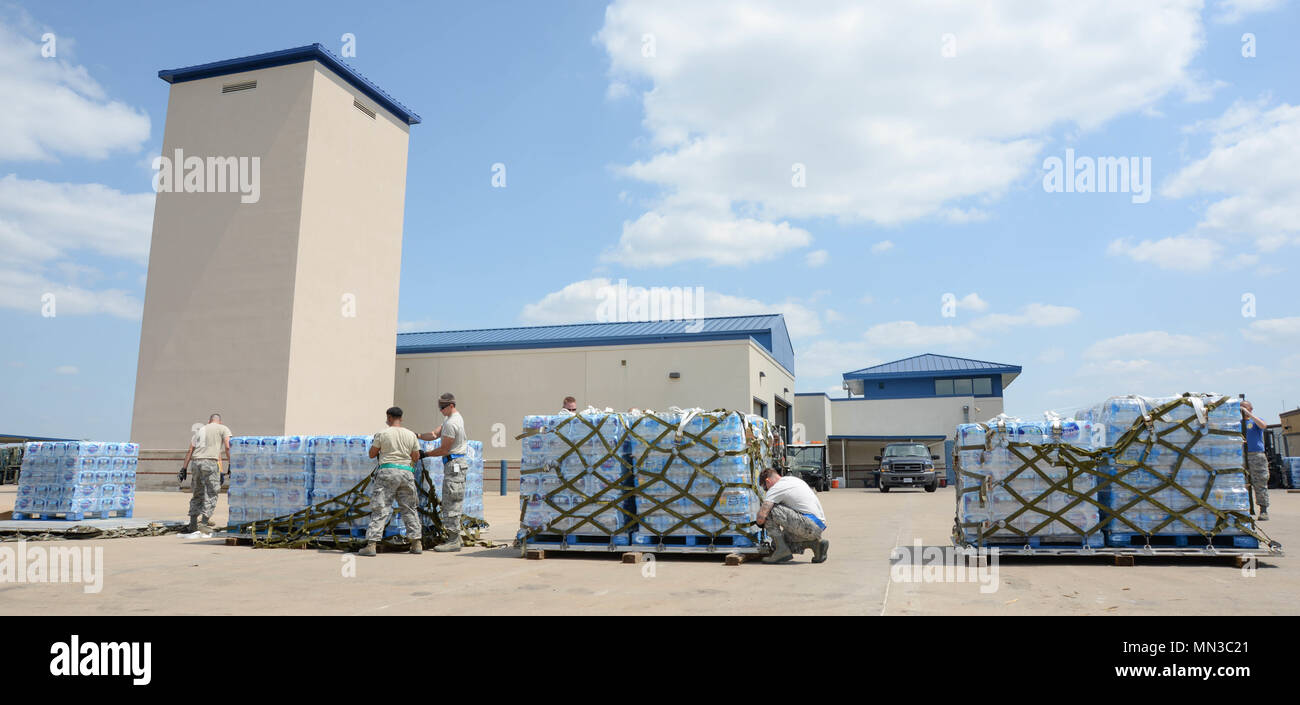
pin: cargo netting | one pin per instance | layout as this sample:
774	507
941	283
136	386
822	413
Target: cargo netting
643	477
1124	472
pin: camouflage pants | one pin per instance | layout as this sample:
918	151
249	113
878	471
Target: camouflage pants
453	494
206	475
1257	463
796	527
390	484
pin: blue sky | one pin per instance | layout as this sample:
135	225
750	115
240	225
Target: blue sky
656	143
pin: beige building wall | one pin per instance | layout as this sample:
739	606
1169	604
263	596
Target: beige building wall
903	417
814	412
349	263
1290	421
502	386
243	309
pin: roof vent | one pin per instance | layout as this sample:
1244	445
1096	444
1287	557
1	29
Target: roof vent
233	87
357	104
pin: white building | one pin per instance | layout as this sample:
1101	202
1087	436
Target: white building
920	398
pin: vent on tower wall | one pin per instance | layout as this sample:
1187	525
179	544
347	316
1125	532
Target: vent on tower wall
233	87
357	104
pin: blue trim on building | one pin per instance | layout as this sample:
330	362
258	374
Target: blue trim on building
24	439
930	364
284	57
768	331
813	394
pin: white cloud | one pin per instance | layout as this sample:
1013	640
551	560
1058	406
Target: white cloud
882	246
1035	314
40	220
868	299
1250	169
859	96
1151	344
43	225
681	230
816	258
23	290
973	302
831	358
1184	252
581	301
66	370
1232	11
54	108
1273	330
909	334
832	316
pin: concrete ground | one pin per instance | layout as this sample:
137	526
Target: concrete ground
171	575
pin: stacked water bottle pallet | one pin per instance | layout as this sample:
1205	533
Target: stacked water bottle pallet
677	481
76	480
278	476
1291	469
1160	475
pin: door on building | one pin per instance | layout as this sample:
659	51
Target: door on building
760	408
781	417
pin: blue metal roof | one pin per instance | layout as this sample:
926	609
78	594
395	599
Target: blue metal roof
311	52
769	331
931	365
24	438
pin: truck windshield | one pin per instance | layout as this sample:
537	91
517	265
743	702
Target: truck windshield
806	456
907	451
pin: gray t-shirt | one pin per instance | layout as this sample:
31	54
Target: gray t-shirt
453	433
797	495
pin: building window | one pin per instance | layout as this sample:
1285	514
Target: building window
943	387
961	387
983	385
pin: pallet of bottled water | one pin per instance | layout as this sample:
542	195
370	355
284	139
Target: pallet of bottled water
1183	470
270	476
1130	471
1291	469
696	484
472	505
75	480
1009	491
572	488
676	480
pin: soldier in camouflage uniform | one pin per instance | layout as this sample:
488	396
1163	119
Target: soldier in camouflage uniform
1256	459
454	446
208	445
398	451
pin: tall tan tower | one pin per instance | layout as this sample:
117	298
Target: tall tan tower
273	273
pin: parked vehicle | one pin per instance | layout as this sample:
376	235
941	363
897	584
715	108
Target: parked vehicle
808	462
907	465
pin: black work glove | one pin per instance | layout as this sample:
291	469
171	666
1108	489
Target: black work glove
180	476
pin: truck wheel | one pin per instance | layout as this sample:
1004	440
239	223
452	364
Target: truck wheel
884	488
932	487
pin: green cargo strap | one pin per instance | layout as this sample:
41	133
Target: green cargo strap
1080	462
616	493
322	524
396	466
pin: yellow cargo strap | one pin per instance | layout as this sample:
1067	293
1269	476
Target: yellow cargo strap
671	440
1080	462
330	522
